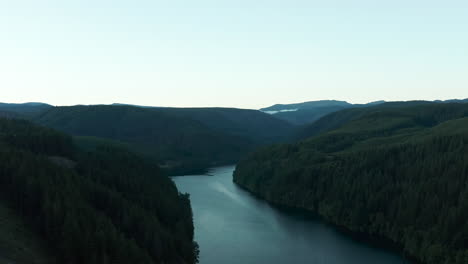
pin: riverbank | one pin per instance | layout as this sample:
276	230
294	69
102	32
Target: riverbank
372	240
232	226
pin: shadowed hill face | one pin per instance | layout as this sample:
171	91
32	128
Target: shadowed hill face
308	112
251	124
306	105
7	114
26	109
182	139
306	116
337	119
398	172
19	244
105	196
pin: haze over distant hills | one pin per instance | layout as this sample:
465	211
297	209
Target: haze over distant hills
308	112
25	109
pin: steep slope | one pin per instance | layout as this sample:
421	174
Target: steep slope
183	140
18	243
399	173
103	205
252	124
337	119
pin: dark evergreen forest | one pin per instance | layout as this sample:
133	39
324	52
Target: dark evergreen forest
182	140
396	173
107	205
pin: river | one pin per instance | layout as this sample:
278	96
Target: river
233	227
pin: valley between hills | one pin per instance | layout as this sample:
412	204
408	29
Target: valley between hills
93	182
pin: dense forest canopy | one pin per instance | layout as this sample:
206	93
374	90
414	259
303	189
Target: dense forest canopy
105	205
308	112
183	140
337	119
396	171
252	124
399	173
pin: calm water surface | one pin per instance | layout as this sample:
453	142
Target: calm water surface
234	227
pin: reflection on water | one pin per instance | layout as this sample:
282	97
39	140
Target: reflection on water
232	226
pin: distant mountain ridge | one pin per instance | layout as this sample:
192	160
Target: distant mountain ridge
336	119
184	140
305	105
24	109
308	112
142	106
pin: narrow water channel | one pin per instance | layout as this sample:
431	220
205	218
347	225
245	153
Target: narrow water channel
232	227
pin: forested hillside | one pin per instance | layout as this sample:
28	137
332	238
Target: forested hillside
308	112
101	206
337	119
399	174
7	114
19	243
252	124
24	110
182	140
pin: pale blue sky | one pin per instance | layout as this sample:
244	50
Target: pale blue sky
243	53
